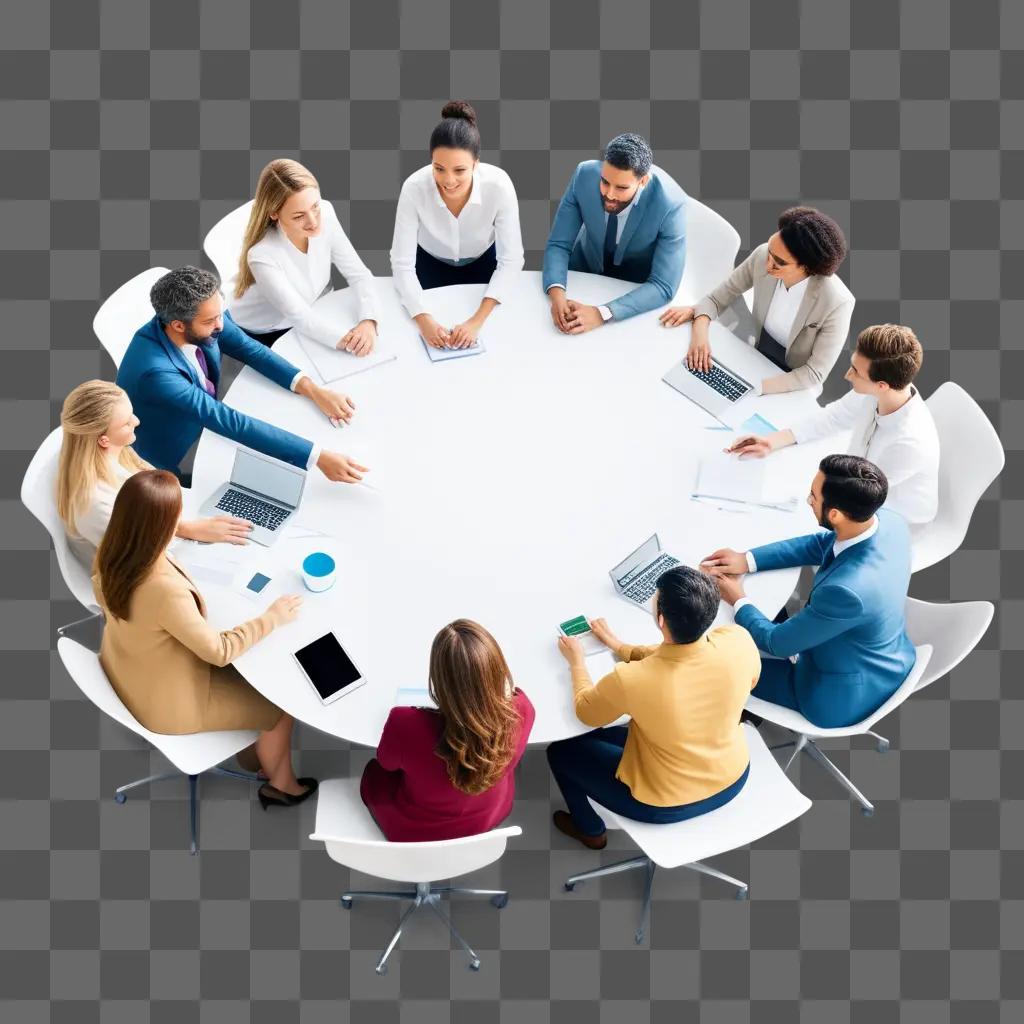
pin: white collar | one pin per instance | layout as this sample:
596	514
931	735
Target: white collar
475	198
841	545
894	419
796	290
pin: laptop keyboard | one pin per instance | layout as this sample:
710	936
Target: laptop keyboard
641	589
722	381
245	506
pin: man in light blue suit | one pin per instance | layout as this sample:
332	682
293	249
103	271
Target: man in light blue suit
621	217
171	370
849	643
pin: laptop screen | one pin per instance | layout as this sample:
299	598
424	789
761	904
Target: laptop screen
266	476
627	569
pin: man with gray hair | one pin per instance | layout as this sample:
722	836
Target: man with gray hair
622	217
171	370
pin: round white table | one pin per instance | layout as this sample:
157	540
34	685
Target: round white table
505	486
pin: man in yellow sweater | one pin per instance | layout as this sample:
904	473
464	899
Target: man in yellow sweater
683	752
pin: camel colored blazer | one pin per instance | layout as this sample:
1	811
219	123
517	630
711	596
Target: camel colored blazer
819	328
165	659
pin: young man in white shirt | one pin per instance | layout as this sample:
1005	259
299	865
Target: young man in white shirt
888	421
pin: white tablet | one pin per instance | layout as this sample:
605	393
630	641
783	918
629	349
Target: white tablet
329	668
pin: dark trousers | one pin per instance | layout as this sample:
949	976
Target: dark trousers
585	766
435	273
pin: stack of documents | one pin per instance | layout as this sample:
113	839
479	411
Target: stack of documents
723	477
332	364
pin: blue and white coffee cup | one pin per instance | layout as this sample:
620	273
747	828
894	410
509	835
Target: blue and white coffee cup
318	571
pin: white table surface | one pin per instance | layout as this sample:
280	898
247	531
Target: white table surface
507	485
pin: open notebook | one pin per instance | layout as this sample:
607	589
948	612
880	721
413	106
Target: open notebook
730	478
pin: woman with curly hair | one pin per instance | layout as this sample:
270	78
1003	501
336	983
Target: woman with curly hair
802	309
447	773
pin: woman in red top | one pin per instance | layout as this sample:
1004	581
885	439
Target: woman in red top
448	773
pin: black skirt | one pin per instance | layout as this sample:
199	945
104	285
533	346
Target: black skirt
435	273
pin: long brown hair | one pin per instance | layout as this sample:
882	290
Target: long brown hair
471	684
145	516
278	182
86	417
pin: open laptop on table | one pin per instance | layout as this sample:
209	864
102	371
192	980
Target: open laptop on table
721	391
635	578
261	489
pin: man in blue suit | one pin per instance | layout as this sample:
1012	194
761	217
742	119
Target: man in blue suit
172	367
846	651
621	217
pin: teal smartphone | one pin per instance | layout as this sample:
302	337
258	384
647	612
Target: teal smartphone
574	627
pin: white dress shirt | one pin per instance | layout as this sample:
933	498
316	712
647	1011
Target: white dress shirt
288	283
491	215
838	547
903	444
782	310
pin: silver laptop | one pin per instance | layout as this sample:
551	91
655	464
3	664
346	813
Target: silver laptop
636	577
719	391
261	489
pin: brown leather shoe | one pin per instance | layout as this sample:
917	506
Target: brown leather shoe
564	823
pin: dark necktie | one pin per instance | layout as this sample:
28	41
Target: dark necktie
207	383
610	233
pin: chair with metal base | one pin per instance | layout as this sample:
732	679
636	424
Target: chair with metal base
806	734
767	802
352	838
191	755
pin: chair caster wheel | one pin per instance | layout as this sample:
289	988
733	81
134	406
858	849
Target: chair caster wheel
868	812
346	902
474	965
569	886
382	969
882	746
638	938
120	798
742	894
500	901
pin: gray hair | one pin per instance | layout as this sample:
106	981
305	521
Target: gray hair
179	294
630	152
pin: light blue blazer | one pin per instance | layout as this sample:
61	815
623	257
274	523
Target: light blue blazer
652	249
174	407
853	649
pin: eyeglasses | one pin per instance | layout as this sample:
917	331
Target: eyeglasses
775	259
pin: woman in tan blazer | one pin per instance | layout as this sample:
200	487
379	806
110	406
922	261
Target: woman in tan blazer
802	310
171	669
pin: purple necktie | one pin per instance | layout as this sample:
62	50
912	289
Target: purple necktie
207	383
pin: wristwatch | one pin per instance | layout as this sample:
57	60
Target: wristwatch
606	313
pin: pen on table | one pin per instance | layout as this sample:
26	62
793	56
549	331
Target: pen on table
368	486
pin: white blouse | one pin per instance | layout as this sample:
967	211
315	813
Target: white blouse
288	283
491	215
92	523
782	310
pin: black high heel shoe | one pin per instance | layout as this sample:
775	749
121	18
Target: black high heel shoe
269	795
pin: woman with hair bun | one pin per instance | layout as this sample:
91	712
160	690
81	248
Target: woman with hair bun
457	223
802	309
448	773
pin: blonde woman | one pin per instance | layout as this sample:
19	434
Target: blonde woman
292	240
96	458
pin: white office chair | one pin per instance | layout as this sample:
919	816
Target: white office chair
970	458
223	244
191	755
711	247
767	802
807	733
125	312
352	838
39	496
952	630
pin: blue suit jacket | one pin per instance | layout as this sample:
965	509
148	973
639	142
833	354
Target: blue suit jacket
853	649
652	248
174	407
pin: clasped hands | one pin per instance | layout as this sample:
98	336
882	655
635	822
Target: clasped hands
436	335
727	568
572	317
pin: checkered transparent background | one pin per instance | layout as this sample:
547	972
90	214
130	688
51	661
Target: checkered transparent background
127	130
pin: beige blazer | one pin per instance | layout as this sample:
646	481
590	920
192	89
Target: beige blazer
819	328
167	663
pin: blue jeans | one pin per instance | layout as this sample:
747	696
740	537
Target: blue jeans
585	766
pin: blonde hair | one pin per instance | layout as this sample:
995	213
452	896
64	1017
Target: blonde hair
85	417
279	181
